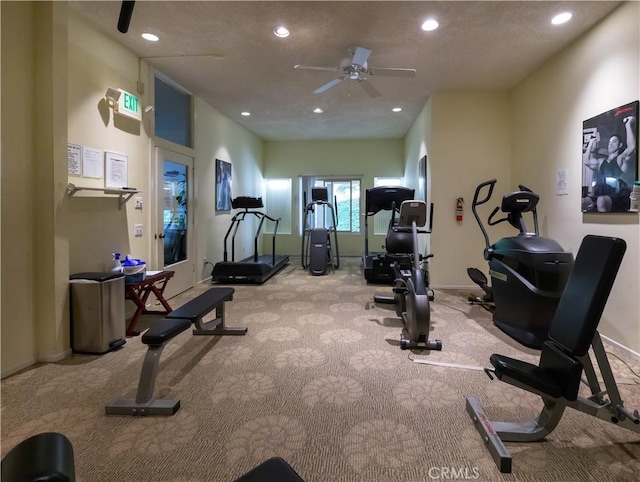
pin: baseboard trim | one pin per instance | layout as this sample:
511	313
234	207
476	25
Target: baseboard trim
622	348
455	287
55	357
15	369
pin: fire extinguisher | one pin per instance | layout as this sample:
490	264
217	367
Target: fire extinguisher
459	209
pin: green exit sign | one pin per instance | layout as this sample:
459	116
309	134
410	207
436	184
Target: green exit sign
129	105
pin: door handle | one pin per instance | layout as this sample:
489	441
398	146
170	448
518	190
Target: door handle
160	236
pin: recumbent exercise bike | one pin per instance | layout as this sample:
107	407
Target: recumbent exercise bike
411	286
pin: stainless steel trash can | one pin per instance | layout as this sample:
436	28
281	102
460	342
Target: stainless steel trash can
97	312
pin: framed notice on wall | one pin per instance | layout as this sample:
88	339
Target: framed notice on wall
74	159
115	170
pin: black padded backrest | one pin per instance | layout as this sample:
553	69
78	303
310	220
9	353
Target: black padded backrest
586	292
383	198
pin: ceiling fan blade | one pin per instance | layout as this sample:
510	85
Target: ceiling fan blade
126	12
360	56
312	67
369	88
407	73
327	86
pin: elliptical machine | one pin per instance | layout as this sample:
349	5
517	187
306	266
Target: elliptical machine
411	286
528	272
317	248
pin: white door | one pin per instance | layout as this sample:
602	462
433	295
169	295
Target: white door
174	231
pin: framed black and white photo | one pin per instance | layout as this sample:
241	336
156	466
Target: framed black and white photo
223	185
422	178
610	159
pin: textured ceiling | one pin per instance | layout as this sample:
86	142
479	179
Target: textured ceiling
226	53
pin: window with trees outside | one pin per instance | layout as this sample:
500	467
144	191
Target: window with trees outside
278	205
344	195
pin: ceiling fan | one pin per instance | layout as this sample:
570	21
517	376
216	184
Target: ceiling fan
356	68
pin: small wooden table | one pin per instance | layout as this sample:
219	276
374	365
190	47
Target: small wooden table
139	292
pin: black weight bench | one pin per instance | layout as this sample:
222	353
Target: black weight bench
156	338
271	470
197	308
45	457
564	356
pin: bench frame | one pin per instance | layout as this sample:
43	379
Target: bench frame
145	403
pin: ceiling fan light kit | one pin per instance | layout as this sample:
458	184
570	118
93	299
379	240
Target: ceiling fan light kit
357	69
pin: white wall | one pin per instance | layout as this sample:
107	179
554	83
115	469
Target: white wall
34	246
220	138
467	138
366	158
18	317
598	72
57	61
98	227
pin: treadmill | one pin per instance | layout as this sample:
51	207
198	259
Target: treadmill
257	268
379	266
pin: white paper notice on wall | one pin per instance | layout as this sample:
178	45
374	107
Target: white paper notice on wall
115	166
561	183
92	165
74	159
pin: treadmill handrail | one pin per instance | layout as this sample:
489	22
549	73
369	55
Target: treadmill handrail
235	224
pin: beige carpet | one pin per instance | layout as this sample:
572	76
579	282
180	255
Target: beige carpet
319	380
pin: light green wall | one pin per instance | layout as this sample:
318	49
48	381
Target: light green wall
598	72
467	138
18	78
522	136
220	138
54	59
34	246
367	158
98	227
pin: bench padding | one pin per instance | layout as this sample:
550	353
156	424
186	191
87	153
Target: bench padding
203	303
165	329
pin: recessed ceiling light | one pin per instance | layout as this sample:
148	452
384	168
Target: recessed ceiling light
150	37
397	109
318	110
245	113
281	31
430	24
561	18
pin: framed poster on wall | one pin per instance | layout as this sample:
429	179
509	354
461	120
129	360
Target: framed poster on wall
609	159
422	178
223	185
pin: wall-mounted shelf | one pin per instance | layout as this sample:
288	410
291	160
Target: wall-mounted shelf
124	194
